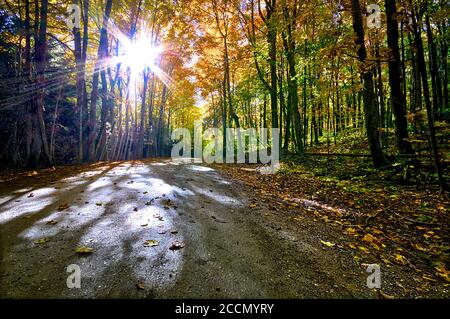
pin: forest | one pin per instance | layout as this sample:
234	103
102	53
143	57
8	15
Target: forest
357	88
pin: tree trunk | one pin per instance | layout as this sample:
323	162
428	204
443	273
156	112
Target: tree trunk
140	148
370	105
397	99
290	47
39	137
79	64
435	79
99	66
426	93
272	40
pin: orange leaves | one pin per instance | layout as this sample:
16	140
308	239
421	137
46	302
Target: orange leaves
63	206
443	272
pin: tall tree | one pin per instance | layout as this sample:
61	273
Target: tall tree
99	68
39	142
370	104
397	99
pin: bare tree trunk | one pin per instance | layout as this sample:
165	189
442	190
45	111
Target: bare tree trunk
290	47
426	93
272	40
370	106
434	72
28	123
140	148
99	66
39	137
397	99
79	85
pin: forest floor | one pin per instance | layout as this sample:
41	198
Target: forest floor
394	217
158	229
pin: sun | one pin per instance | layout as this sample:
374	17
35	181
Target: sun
139	54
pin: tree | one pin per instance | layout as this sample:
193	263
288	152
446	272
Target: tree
397	98
370	105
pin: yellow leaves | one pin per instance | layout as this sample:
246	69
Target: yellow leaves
443	272
419	247
386	262
400	259
350	231
363	249
430	234
352	246
151	243
52	222
373	241
84	250
327	243
252	205
42	241
368	238
429	278
376	231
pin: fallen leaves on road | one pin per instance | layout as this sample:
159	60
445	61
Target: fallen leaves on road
52	222
176	245
140	285
384	295
400	259
443	272
327	243
401	226
151	243
84	250
42	241
63	206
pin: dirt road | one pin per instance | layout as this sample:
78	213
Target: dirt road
234	246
